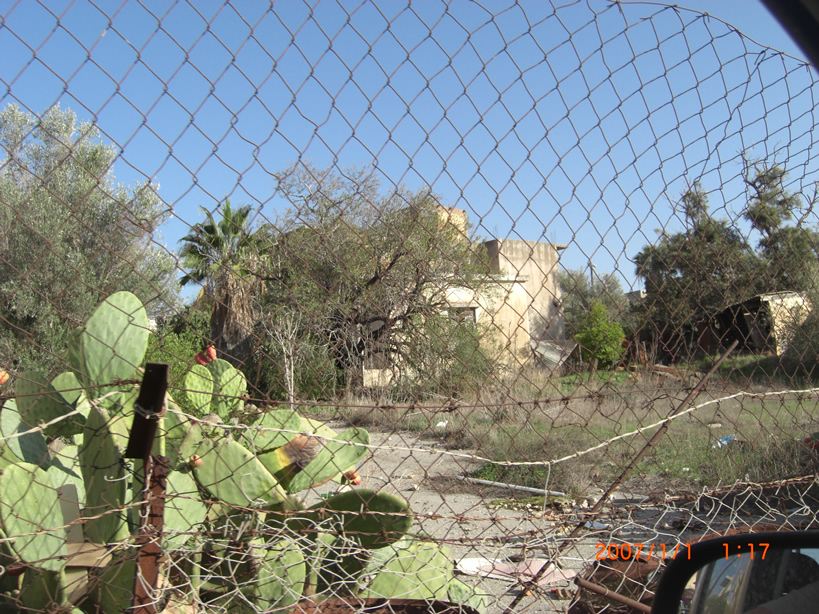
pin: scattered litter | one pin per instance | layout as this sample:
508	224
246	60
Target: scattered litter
561	593
442	424
596	526
686	469
725	441
523	571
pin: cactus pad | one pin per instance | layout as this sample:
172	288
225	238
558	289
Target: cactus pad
113	589
460	592
233	475
230	385
372	519
272	429
409	569
113	342
199	388
30	447
183	510
39	402
281	578
336	455
44	592
104	474
31	516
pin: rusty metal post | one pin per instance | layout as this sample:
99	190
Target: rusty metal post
149	540
602	590
148	409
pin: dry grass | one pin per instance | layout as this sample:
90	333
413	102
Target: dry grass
549	419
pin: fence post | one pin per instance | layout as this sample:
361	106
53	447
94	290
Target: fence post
148	409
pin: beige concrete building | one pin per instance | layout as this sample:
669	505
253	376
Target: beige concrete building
521	304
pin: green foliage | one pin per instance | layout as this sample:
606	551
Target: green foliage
600	338
450	356
787	253
223	257
371	519
70	235
579	294
317	375
693	274
176	342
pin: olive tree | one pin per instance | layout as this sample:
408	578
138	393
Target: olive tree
70	235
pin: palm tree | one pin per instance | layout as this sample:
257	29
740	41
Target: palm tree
222	258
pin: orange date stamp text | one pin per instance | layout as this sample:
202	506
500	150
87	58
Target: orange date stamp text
627	551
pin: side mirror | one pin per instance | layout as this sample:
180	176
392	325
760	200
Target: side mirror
740	574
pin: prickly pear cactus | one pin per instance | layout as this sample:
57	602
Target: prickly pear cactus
372	519
336	455
112	344
40	401
215	388
103	470
272	430
409	569
233	475
30	447
199	387
233	522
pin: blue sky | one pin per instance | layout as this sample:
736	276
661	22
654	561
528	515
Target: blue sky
577	125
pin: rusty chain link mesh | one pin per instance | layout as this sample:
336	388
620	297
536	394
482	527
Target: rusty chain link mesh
559	262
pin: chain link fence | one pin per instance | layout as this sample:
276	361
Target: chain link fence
501	306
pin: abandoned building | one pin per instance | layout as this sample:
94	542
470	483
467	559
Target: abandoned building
763	324
520	305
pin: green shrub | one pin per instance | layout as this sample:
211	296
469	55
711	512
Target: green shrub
600	338
450	357
317	375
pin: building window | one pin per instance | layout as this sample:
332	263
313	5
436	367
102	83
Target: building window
464	314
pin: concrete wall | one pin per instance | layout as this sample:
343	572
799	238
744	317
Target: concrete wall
538	263
503	308
788	310
456	218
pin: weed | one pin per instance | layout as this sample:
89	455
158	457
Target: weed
586	428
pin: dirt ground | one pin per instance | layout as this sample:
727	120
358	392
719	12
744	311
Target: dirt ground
462	516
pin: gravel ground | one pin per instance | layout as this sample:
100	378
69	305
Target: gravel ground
463	516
